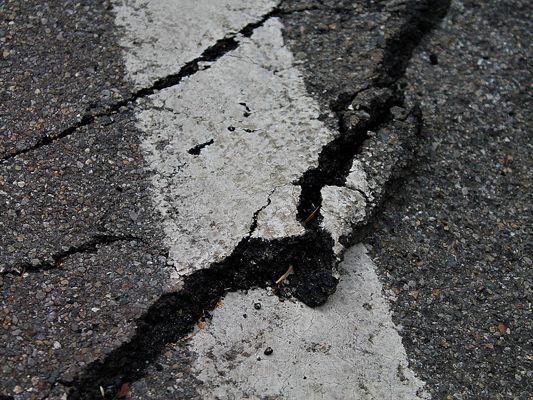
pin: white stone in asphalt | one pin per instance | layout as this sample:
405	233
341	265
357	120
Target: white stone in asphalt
347	349
161	36
252	107
357	180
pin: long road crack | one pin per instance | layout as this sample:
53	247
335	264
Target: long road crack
335	159
257	262
253	225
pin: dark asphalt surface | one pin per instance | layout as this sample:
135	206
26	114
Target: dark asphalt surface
80	240
81	243
453	243
60	60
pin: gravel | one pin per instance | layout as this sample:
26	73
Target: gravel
81	255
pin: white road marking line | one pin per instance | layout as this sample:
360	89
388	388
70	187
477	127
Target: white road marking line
278	219
261	131
347	349
253	105
162	35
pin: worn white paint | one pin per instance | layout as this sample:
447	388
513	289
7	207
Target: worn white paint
279	220
264	127
253	104
161	36
347	349
345	207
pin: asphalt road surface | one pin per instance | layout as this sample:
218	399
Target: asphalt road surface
266	200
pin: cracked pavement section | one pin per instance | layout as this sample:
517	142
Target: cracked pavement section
59	320
152	53
67	194
51	111
252	262
278	219
59	61
227	138
208	201
346	349
83	250
455	243
381	160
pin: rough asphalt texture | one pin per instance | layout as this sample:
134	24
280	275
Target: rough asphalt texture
73	207
453	242
60	61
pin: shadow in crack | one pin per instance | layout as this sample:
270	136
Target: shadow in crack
254	263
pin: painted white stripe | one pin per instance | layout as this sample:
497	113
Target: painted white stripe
347	349
253	105
264	127
160	36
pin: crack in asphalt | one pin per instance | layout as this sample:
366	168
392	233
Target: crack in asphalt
89	246
209	55
335	158
253	225
257	262
196	150
253	263
362	193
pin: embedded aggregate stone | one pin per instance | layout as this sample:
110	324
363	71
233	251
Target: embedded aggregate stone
85	262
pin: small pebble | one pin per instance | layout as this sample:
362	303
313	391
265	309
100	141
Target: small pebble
268	351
